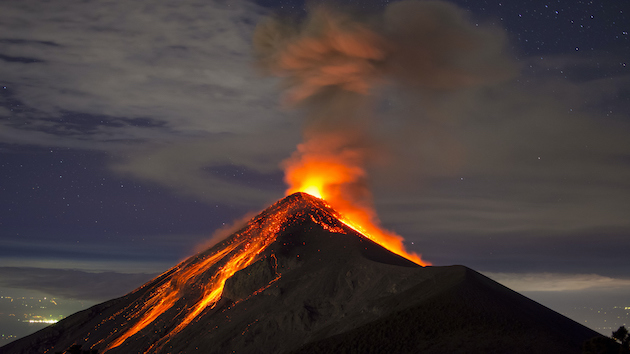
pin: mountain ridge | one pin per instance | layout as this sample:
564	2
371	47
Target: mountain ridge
311	284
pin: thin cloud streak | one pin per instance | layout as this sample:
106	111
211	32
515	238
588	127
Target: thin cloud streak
558	282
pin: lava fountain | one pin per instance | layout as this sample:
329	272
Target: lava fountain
337	176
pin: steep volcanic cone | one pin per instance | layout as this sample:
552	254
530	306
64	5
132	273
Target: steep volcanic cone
202	278
158	312
296	278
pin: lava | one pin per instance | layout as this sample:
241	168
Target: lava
337	176
240	251
168	293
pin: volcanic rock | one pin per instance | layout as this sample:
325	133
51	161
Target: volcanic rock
311	284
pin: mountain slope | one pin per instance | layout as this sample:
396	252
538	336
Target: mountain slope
295	278
469	314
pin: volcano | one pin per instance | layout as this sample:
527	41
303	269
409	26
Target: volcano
295	279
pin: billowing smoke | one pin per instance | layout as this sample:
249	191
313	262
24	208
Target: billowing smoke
421	44
334	63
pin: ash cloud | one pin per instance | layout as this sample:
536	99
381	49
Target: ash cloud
431	45
98	80
335	64
435	46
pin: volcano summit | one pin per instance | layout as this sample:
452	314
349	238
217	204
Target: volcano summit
296	279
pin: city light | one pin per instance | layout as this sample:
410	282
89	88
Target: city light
42	321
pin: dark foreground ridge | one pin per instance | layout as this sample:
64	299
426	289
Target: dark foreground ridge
306	283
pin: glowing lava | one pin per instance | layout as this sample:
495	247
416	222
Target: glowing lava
202	277
336	176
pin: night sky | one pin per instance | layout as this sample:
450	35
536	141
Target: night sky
131	131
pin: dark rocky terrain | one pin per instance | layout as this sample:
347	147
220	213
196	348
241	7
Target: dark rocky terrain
314	286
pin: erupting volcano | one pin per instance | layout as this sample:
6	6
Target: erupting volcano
324	177
315	272
296	278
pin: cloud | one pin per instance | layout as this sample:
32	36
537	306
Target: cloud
187	167
555	282
184	63
518	157
120	253
168	89
73	284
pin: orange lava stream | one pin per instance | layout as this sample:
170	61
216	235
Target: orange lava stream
166	295
243	250
213	291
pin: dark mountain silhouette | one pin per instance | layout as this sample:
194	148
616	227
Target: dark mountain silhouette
297	280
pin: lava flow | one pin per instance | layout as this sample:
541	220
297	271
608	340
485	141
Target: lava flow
208	271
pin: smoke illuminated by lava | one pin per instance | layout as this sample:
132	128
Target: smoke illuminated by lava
337	176
332	61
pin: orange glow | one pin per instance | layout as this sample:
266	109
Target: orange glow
167	295
313	189
243	250
214	288
336	176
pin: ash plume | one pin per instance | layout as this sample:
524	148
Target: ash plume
420	44
333	64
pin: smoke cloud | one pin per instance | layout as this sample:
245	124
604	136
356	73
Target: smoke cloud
334	64
435	46
420	44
